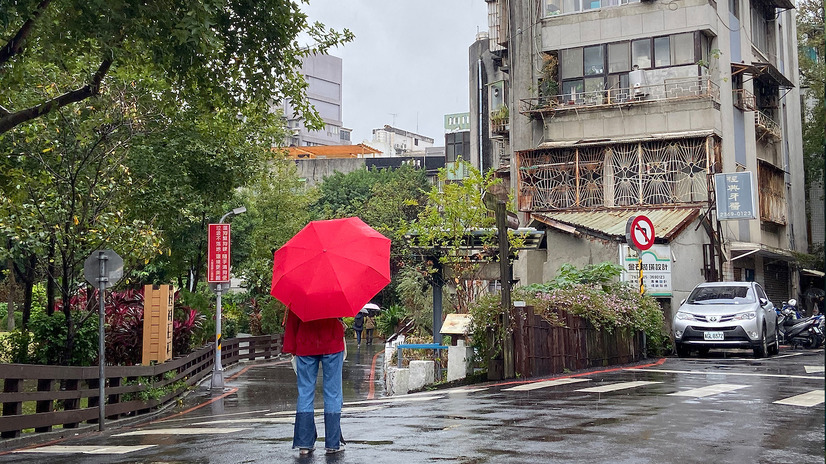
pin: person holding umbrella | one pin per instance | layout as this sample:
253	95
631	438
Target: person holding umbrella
312	343
328	270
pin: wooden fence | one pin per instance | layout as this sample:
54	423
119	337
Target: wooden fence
543	349
66	396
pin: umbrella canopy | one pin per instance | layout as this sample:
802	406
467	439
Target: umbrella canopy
370	307
331	268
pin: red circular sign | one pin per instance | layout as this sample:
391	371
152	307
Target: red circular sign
642	232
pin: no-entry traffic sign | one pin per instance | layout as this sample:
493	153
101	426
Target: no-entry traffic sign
639	232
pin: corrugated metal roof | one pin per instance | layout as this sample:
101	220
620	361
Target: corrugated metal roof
332	151
668	222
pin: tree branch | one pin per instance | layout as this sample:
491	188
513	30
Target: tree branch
14	45
9	121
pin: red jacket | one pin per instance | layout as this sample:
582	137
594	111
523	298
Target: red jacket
323	336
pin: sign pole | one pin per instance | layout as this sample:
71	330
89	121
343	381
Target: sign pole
102	268
639	266
102	279
217	369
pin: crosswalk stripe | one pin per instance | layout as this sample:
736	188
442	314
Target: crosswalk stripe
255	420
746	374
181	431
88	449
615	386
709	390
812	398
545	384
813	369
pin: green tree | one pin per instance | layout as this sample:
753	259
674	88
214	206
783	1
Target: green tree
811	48
76	186
224	51
277	208
454	212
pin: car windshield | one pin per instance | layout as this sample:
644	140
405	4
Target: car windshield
722	295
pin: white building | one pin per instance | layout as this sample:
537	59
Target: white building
392	141
324	78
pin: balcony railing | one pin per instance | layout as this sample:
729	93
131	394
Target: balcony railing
744	99
686	88
766	126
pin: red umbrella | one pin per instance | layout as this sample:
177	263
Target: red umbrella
331	268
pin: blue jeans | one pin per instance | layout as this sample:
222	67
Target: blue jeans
358	336
304	435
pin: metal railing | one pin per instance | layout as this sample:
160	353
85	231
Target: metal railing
767	125
684	88
744	99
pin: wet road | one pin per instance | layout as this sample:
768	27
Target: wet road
726	408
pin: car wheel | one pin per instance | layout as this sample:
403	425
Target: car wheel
761	350
775	347
682	350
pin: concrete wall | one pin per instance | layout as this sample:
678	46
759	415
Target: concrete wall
626	22
634	120
315	170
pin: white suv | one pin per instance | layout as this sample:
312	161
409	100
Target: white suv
726	315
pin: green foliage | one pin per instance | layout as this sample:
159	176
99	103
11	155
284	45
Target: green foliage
487	326
43	343
454	211
590	294
388	320
226	51
592	274
415	294
151	390
272	315
812	63
277	208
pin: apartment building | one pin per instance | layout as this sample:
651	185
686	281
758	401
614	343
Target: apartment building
324	77
596	111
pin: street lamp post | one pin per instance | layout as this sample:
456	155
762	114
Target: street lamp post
217	382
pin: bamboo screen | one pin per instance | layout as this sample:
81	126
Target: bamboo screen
622	174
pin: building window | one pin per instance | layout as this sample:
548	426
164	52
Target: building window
556	7
583	69
641	53
619	57
662	51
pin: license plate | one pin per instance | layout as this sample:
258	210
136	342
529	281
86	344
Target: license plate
712	335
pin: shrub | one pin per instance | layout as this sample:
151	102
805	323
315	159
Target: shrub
124	328
388	320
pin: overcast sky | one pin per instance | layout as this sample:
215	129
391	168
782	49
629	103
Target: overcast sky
408	65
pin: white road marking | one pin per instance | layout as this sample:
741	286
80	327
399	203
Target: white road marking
188	419
456	391
615	386
709	390
812	398
344	411
747	374
93	449
813	369
399	398
787	355
545	384
181	431
259	420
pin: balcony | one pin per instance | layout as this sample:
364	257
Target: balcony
675	89
744	99
766	127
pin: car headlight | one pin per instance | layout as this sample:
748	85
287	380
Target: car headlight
685	316
747	316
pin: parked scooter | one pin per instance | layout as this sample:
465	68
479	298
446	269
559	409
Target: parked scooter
795	330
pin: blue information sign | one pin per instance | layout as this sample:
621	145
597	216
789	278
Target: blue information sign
735	196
